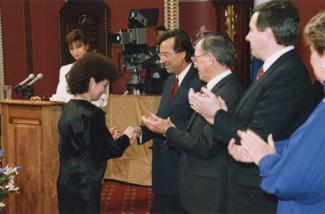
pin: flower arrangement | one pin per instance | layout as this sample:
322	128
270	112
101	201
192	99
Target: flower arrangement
7	180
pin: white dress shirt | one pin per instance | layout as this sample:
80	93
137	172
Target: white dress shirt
217	79
62	93
267	64
182	75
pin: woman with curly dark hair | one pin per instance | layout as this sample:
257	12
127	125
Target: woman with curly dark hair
85	142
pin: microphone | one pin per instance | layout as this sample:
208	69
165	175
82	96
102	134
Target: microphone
38	77
30	77
26	90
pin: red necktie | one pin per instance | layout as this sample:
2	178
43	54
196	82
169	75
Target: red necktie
173	89
259	73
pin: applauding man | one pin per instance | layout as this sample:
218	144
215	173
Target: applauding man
203	162
278	102
175	55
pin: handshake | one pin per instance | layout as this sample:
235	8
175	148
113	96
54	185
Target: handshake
130	131
152	122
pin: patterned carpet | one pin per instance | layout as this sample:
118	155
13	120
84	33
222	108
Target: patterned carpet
123	198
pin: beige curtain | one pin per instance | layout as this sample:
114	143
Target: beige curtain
135	164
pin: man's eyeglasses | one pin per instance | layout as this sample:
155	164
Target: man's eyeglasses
194	58
165	55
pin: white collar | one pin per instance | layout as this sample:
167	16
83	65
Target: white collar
217	79
267	64
182	75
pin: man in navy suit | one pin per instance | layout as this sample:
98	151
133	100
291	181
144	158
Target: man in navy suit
175	54
203	163
278	102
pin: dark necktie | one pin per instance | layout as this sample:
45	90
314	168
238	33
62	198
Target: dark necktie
259	73
173	89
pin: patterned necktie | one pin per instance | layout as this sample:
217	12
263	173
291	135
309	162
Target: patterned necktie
259	73
173	89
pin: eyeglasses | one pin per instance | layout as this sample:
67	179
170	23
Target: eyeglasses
165	55
194	58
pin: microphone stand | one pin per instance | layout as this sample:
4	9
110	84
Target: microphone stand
25	91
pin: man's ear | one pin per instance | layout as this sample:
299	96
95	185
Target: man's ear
269	33
183	54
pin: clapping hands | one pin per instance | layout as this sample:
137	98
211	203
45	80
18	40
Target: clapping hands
252	149
206	103
157	124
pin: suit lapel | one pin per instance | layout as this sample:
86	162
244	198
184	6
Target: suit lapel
221	83
164	103
191	121
215	91
260	82
181	92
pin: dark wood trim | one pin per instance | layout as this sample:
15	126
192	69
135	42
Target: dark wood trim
96	24
242	11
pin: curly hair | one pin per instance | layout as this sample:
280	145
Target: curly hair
93	65
314	33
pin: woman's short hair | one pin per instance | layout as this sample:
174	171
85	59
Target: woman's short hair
79	36
90	65
314	33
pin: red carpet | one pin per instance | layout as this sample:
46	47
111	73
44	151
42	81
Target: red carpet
124	198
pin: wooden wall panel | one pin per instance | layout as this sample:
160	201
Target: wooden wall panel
14	47
44	34
193	15
45	37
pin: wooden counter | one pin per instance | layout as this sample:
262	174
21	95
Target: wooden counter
30	139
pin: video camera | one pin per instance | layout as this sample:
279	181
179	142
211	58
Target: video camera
133	40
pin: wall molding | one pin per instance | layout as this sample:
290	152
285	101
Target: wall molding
2	79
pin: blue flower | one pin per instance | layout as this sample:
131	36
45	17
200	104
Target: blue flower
7	180
2	153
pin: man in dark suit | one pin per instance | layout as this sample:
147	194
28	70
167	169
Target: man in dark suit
278	102
175	54
203	163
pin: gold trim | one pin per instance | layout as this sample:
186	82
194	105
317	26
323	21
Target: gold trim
171	12
231	19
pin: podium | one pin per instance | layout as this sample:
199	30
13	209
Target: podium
30	138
